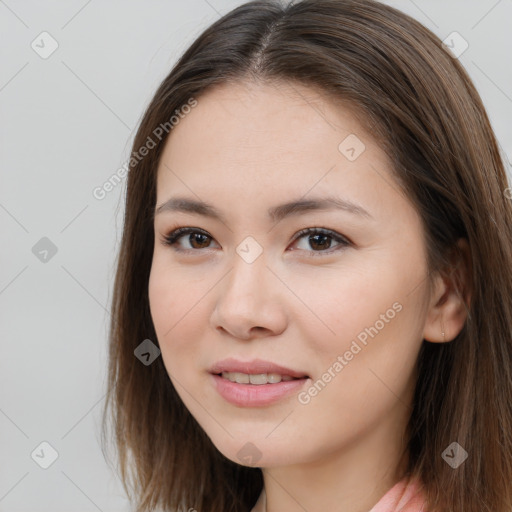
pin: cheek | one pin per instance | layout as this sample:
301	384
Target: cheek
162	300
171	293
175	312
338	304
372	358
360	384
371	316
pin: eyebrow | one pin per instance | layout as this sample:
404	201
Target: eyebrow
275	214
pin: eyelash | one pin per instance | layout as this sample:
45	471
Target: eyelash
175	235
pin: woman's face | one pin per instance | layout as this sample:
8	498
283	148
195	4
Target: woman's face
343	306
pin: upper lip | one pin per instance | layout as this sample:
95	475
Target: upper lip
254	367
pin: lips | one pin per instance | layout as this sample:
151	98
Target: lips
269	383
255	367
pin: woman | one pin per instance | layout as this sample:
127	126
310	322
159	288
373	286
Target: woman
312	241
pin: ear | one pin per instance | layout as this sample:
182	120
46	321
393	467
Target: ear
451	296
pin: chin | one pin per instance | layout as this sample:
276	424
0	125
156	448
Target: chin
256	452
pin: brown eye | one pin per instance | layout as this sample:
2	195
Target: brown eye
320	240
197	239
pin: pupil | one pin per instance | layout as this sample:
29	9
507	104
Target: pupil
321	236
195	235
313	239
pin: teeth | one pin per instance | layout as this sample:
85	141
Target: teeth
262	378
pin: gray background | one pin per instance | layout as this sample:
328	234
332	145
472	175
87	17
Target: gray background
67	123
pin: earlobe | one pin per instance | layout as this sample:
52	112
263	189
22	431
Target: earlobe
448	308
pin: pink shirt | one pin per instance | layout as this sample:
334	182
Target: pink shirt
405	496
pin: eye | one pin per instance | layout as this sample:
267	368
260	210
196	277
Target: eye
318	238
322	238
196	236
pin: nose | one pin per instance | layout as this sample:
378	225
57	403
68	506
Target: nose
250	301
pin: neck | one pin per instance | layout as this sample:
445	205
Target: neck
349	479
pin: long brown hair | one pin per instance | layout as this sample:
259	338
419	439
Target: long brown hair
422	107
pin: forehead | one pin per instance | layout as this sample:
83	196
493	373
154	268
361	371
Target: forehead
267	143
269	112
245	125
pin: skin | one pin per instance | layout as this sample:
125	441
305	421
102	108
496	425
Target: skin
245	148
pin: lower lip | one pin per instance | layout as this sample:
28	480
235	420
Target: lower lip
256	395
